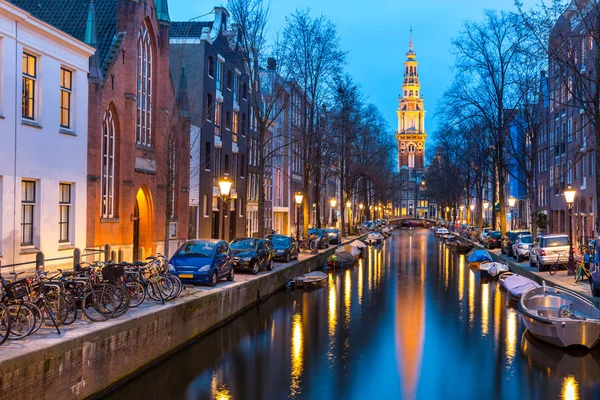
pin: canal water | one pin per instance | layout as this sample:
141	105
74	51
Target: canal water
412	320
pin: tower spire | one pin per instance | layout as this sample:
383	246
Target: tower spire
91	39
411	42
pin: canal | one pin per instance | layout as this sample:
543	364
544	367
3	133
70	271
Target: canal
412	320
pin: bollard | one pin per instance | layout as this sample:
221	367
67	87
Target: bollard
106	253
76	257
39	261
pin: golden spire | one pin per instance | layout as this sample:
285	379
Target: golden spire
411	44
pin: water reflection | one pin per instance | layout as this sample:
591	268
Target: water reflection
297	355
485	305
218	392
360	280
511	335
570	389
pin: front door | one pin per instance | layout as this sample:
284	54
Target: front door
215	225
136	232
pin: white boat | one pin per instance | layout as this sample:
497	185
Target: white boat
516	284
493	268
560	317
374	238
311	280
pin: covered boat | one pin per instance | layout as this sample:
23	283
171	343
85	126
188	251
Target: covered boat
560	317
310	280
516	284
374	238
341	259
461	246
492	269
479	256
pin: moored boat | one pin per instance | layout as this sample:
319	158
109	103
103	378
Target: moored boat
310	280
560	317
492	269
515	284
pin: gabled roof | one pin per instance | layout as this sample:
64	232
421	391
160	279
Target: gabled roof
70	16
189	29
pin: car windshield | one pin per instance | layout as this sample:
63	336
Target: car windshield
495	235
197	249
243	244
557	241
279	241
527	239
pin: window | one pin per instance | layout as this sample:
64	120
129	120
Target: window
205	206
236	117
229	80
29	81
211	66
236	81
411	148
219	82
207	156
242	166
108	165
245	91
209	107
217	170
591	164
217	122
411	160
234	165
228	120
64	213
144	88
27	210
569	173
66	90
243	124
226	162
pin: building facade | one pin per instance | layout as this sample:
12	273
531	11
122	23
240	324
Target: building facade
411	140
43	136
223	124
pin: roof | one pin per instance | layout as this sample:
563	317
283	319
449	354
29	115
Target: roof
70	16
189	29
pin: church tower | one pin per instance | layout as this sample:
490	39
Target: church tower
411	117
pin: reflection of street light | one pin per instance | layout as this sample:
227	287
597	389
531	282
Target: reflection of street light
570	198
225	190
299	197
511	204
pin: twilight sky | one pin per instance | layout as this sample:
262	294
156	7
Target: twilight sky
376	36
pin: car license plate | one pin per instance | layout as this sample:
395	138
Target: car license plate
186	276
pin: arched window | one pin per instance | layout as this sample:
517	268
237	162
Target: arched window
411	160
411	148
108	165
144	88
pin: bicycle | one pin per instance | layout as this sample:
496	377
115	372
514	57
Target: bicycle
309	244
581	271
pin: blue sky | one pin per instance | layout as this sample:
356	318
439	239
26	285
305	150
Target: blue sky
376	35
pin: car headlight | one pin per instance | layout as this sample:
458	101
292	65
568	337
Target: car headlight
204	268
171	268
247	259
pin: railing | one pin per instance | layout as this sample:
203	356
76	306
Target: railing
40	259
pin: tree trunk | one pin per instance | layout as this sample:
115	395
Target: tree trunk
261	180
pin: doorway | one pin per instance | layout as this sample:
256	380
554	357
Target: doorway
215	225
143	225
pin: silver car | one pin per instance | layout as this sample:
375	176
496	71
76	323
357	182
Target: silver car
549	249
522	246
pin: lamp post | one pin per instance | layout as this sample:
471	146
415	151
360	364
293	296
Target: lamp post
447	211
360	212
486	205
472	207
511	204
225	190
570	198
299	196
462	213
348	205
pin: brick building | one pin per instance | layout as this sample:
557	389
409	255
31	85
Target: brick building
223	124
137	180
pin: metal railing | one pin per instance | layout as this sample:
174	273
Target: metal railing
40	259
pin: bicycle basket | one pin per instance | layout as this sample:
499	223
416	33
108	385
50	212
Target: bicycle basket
16	290
113	272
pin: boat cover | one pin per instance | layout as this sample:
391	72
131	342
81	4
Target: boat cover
516	285
359	244
479	256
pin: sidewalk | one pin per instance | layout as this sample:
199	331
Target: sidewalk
559	279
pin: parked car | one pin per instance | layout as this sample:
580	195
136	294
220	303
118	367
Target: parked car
521	247
548	250
595	279
203	261
286	248
483	234
509	239
322	237
334	235
493	239
251	254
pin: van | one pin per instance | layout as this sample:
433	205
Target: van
548	250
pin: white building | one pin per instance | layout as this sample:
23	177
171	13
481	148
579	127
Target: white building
43	138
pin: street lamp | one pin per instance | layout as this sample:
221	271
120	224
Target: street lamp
333	203
299	197
570	198
511	204
472	207
360	207
486	205
462	214
447	211
225	190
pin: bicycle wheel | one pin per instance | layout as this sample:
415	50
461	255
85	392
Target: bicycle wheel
55	304
121	296
553	268
98	305
313	246
71	309
164	285
5	322
137	293
38	315
177	285
23	321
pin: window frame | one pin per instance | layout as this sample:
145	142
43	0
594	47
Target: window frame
27	77
107	179
145	87
28	206
68	90
64	212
